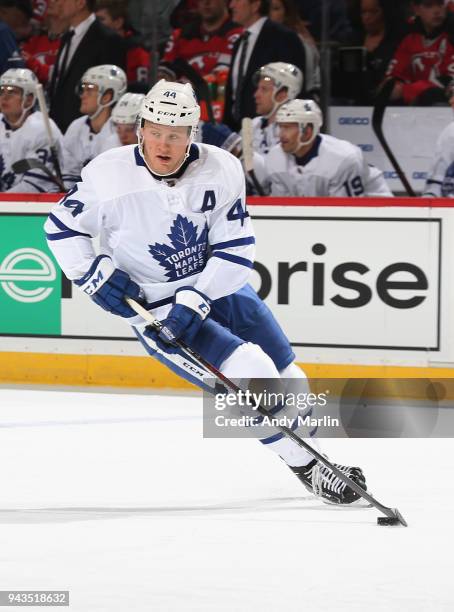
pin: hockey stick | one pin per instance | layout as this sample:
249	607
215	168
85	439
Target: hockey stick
377	125
50	136
393	515
248	153
24	165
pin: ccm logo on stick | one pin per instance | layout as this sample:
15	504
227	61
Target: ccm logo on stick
350	275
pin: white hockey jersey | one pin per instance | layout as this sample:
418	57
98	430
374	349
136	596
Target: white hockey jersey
193	230
30	141
333	167
440	179
81	144
264	136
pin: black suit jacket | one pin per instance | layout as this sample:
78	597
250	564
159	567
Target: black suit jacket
275	43
99	46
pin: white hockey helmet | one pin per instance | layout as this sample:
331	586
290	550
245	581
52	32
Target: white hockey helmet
282	75
172	104
106	77
304	113
127	108
26	80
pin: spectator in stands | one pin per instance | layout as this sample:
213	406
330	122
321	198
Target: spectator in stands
147	17
100	88
424	61
207	44
277	83
9	51
286	13
307	163
340	29
23	135
440	178
40	51
364	62
124	117
113	14
87	43
262	42
184	13
17	14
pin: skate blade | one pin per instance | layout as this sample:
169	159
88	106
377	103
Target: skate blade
358	503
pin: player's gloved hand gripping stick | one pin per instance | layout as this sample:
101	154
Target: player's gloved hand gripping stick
190	309
392	515
108	287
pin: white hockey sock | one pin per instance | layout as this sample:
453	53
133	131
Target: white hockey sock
295	381
250	361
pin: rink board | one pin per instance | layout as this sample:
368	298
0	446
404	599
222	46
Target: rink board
361	287
411	132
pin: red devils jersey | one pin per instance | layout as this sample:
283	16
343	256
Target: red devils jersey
40	53
423	60
205	52
137	60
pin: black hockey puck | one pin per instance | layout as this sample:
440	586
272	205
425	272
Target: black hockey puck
388	520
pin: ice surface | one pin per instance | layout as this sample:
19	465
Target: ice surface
119	499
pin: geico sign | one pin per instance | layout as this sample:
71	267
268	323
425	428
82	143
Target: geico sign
350	275
354	120
10	273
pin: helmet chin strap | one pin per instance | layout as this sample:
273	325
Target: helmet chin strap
276	105
25	110
300	143
101	107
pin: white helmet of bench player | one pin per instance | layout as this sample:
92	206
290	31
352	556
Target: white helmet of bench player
304	113
282	75
107	77
127	108
24	79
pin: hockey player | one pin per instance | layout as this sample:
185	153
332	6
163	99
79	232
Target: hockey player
307	163
124	117
178	238
100	88
440	179
277	83
23	134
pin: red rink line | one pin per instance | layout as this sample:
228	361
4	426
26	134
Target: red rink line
355	202
273	201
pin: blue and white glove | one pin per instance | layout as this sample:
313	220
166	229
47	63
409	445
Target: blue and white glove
190	309
108	287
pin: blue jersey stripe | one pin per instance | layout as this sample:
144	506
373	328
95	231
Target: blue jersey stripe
63	235
233	243
41	177
242	261
37	187
56	221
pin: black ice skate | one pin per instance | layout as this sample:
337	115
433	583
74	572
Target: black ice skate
321	481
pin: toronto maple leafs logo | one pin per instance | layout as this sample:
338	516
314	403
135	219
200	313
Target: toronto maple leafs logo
6	178
187	255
